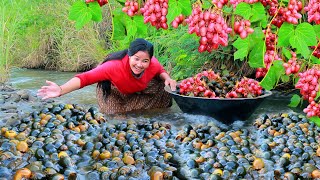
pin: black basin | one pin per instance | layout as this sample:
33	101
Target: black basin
225	110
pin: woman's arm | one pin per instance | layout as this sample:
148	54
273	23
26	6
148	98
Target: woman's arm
53	90
168	81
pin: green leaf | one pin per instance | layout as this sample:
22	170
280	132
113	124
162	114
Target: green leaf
285	32
258	12
83	19
121	1
317	30
243	9
185	6
316	120
318	95
255	37
175	11
306	33
95	10
264	22
77	9
83	13
315	60
256	56
142	28
227	9
243	48
273	75
286	53
118	29
295	101
131	27
300	45
206	4
285	78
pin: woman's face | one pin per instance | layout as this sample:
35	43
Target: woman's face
139	62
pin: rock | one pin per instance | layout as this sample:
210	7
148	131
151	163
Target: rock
33	98
24	94
2	99
14	97
6	106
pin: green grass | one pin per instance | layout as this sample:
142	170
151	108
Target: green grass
38	34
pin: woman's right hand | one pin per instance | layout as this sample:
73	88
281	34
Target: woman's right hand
51	91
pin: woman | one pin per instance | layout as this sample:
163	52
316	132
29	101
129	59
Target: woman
130	79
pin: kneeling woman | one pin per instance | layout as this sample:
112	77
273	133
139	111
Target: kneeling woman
128	80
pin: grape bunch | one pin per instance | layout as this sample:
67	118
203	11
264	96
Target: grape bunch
279	18
309	87
270	54
313	9
210	26
282	14
236	2
313	109
316	50
292	66
246	88
220	3
177	21
101	2
292	11
131	7
197	86
211	85
155	12
243	28
269	57
309	84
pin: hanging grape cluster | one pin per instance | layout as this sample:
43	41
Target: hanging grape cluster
292	66
101	2
316	50
177	21
210	26
313	9
220	3
283	14
243	28
131	7
270	54
236	2
155	12
309	87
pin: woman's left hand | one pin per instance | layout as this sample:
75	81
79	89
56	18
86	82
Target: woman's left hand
172	83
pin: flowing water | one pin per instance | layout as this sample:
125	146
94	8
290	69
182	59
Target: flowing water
33	79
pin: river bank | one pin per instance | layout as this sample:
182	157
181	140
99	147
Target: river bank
17	103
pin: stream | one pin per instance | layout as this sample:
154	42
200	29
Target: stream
32	80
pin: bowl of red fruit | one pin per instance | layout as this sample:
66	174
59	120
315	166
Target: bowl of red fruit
227	98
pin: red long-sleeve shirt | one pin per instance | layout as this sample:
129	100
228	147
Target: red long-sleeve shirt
120	75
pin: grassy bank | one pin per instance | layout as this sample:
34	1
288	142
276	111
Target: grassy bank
38	34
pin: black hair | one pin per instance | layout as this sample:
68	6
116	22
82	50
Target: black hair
138	44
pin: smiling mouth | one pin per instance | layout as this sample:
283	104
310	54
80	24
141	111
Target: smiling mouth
138	69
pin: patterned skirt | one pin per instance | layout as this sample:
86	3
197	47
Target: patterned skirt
154	96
